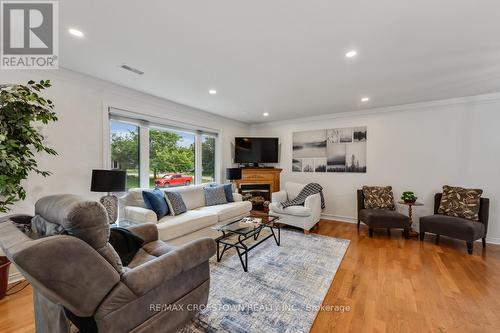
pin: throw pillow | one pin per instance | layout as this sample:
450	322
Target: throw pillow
378	197
228	189
155	201
460	202
215	196
175	203
43	227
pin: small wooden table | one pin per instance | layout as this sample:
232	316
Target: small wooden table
410	214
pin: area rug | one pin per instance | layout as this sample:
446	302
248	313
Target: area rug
282	291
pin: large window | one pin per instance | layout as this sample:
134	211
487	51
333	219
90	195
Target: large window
208	158
158	155
125	150
171	158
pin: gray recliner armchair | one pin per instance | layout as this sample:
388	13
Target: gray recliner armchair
79	275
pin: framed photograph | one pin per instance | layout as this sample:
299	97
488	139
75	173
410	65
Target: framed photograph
359	134
345	135
336	157
296	165
333	135
308	165
309	144
356	157
320	164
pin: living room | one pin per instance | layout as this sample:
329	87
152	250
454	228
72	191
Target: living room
257	167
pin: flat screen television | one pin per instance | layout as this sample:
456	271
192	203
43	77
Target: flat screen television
256	150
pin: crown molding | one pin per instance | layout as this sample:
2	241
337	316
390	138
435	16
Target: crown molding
475	99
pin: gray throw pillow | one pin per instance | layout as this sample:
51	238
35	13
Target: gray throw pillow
215	196
175	203
43	227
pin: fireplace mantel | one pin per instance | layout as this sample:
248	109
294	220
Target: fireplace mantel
269	176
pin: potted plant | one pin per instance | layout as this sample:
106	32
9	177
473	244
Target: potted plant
21	109
408	197
4	275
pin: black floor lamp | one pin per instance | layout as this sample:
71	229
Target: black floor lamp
109	181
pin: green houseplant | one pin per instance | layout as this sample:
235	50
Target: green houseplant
21	109
409	197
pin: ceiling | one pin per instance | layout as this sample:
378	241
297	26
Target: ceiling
287	57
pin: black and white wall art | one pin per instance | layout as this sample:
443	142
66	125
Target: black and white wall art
309	144
308	165
330	150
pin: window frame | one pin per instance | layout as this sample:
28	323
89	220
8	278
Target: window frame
139	166
216	156
145	122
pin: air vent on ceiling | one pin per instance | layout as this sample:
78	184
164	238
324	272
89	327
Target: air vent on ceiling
132	69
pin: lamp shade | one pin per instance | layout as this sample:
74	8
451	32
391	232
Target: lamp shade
233	173
108	181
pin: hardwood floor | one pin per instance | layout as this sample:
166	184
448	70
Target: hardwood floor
16	312
398	285
389	283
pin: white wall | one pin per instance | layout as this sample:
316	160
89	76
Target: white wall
416	147
78	136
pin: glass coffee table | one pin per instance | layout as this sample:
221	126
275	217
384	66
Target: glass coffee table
236	233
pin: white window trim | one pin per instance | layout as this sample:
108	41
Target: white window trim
144	156
198	131
198	167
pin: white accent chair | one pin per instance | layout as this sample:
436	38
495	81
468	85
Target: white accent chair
305	217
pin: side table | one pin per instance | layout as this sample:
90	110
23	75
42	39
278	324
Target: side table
124	224
410	205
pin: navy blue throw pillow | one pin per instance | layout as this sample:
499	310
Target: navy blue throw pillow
155	201
228	189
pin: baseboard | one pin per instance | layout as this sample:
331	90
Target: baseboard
15	277
339	218
493	240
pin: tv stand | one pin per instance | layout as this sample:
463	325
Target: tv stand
255	166
270	176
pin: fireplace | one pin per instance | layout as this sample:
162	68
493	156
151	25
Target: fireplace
258	194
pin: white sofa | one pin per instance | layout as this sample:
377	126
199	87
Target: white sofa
304	217
197	222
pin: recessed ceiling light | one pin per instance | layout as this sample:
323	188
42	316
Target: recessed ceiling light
365	99
266	114
212	91
351	54
76	32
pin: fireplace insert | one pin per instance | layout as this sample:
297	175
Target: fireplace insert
258	194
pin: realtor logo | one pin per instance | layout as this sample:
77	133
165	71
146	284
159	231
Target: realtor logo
29	37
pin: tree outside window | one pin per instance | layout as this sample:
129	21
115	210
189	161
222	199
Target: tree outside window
125	150
171	154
